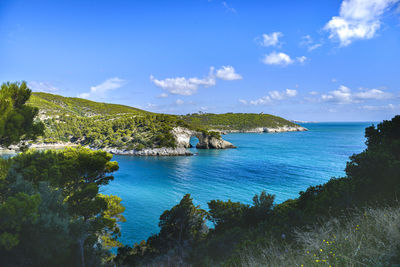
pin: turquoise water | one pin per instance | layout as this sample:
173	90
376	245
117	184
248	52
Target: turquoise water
282	164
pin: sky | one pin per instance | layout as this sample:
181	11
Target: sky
331	60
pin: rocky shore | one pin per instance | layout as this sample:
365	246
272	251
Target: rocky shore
267	130
14	148
163	151
182	137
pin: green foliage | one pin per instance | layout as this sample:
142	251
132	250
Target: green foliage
59	105
71	211
226	214
185	222
16	118
181	227
101	125
16	211
376	171
234	121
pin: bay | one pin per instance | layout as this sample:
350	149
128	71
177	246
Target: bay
281	163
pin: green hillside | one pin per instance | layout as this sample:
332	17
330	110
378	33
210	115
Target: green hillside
236	121
56	104
101	125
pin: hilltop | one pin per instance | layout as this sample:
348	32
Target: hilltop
241	122
126	130
56	105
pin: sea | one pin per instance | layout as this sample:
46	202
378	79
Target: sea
282	164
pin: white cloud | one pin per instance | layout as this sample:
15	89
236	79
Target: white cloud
184	86
163	95
313	93
272	95
261	101
179	102
189	86
343	95
282	59
301	59
291	93
271	39
376	94
101	89
277	59
308	42
358	19
228	73
42	87
228	7
388	107
276	95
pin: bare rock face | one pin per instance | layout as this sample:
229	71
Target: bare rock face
211	142
182	136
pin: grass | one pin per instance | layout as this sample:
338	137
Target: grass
369	237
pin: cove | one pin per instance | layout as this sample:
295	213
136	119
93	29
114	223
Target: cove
280	163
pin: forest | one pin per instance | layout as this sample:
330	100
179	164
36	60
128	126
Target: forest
53	214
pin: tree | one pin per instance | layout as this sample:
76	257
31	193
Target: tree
375	172
226	214
181	228
16	118
185	222
77	175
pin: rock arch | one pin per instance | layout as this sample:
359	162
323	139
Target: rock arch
206	141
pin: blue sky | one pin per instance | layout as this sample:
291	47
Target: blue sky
304	60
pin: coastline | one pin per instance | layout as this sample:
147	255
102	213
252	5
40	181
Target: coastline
282	129
162	151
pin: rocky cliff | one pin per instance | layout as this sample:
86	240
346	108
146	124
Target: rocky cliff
211	142
206	141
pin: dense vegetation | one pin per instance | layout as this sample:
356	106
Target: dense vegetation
57	105
51	211
16	118
244	233
235	121
101	125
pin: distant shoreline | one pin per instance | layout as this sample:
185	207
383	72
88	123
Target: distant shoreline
162	151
